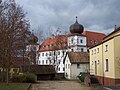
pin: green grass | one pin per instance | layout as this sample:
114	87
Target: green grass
14	86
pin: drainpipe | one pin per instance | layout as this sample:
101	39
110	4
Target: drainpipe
103	64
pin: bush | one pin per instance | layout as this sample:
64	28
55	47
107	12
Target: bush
81	76
31	78
25	77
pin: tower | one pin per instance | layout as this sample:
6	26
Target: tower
76	40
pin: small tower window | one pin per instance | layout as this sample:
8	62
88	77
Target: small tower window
81	41
82	50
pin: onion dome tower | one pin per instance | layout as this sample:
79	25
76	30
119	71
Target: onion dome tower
76	40
76	28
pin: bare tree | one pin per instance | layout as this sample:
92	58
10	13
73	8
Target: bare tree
13	27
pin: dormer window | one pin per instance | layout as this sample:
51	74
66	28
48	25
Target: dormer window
50	46
92	41
96	41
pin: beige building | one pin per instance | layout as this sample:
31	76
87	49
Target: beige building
76	62
105	59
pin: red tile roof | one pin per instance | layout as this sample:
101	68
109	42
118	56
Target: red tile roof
54	43
77	57
93	38
60	42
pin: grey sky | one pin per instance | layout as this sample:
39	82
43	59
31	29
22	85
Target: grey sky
94	15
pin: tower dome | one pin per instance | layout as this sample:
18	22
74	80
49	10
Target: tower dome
76	28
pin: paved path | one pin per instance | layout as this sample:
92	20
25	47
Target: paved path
59	85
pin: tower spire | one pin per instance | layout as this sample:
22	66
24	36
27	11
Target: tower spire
76	20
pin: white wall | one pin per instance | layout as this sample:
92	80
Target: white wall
75	71
58	61
76	40
67	68
75	43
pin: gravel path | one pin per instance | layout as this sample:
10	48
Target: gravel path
59	85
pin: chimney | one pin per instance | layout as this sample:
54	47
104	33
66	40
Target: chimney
115	27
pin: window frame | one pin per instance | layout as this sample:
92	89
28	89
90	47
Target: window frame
78	66
106	65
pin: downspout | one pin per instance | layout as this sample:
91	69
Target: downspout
103	63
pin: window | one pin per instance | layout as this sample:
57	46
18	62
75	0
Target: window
78	65
66	66
107	66
96	42
72	40
81	41
46	61
77	40
97	50
39	62
72	50
106	48
92	42
81	49
42	61
46	54
58	52
63	69
58	69
98	61
59	61
92	62
50	53
92	52
42	54
63	52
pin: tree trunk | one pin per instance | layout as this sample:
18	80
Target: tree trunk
7	76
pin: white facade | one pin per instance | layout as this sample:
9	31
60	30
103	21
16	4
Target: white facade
76	43
73	70
52	58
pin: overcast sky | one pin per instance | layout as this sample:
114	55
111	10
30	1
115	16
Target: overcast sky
94	15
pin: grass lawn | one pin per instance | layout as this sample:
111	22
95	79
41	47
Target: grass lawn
13	86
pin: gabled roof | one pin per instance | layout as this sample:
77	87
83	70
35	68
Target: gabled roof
39	69
108	37
78	57
54	43
60	42
116	30
93	38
